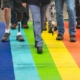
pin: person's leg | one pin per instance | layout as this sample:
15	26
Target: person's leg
37	26
45	24
13	17
52	17
72	19
43	15
6	5
25	18
19	9
59	18
0	3
77	13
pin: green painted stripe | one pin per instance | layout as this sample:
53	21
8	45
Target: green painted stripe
44	63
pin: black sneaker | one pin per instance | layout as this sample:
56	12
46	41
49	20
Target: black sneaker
55	28
59	37
72	38
5	37
39	50
20	38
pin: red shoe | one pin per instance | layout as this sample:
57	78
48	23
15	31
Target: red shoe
13	26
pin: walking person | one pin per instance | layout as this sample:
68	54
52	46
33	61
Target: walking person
19	9
24	21
72	19
52	17
38	9
77	3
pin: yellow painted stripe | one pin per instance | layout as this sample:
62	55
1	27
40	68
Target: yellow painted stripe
65	63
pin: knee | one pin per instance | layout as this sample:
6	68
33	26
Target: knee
59	13
6	9
37	22
70	8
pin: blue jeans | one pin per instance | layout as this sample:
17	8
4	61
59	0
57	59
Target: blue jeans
25	15
38	14
71	14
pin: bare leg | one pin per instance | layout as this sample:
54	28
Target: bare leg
7	20
7	17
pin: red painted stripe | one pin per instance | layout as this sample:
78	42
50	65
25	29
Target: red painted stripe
73	47
78	35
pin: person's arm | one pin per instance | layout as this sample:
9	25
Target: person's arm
24	3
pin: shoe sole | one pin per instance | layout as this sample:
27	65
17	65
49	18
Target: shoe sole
13	28
39	52
59	39
4	40
72	41
25	27
77	27
20	40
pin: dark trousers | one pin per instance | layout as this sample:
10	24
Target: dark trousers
78	11
0	3
25	15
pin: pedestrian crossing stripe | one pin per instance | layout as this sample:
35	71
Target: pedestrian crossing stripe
19	60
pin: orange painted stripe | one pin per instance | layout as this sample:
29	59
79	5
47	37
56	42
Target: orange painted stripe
78	34
73	47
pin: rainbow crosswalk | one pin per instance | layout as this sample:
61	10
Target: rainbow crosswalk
19	60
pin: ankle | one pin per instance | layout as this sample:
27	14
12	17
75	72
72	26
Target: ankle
19	33
7	31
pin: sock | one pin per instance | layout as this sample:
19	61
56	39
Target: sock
7	31
53	22
19	33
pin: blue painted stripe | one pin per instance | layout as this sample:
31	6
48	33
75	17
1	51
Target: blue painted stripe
24	66
6	64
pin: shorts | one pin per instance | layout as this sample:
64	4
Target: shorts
7	3
17	5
